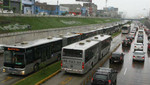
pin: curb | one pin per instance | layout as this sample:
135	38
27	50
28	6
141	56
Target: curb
35	73
50	76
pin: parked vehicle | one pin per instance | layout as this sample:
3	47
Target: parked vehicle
104	76
126	43
139	56
139	40
117	57
138	46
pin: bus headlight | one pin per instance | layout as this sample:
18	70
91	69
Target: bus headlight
4	70
22	72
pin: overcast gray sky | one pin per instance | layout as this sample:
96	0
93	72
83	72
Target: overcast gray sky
132	8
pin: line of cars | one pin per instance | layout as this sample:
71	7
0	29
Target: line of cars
108	76
139	54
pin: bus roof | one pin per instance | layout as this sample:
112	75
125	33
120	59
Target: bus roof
81	45
29	44
69	35
100	37
126	25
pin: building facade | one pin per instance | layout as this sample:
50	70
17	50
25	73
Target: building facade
74	9
92	8
19	6
28	6
14	5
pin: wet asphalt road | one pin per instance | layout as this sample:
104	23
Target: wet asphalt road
132	73
63	78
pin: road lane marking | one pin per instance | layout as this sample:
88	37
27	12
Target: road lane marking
6	79
125	71
66	80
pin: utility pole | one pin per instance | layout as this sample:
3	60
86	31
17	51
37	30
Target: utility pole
57	7
106	3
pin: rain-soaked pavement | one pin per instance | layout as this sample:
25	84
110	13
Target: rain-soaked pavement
132	73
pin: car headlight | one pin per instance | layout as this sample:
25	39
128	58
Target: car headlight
4	70
22	72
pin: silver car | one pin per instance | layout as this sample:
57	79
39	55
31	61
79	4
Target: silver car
139	40
139	56
138	46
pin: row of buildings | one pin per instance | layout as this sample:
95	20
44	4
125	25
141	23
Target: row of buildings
32	7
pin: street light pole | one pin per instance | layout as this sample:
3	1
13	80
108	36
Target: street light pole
57	7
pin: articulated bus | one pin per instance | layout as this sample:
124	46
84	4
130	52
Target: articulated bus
70	38
105	41
82	56
126	29
24	58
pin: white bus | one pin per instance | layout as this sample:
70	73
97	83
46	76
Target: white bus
126	29
26	57
80	57
105	41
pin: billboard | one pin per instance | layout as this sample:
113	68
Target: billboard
85	0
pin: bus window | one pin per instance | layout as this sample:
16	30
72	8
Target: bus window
48	52
43	54
29	57
72	53
18	59
56	46
8	57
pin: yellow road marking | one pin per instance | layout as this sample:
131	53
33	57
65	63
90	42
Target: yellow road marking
6	79
66	80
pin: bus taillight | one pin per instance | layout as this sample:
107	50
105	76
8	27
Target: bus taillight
61	63
82	65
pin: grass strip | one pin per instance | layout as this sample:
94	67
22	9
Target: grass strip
115	34
40	23
40	75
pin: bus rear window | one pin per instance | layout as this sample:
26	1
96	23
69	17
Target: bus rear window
72	53
124	28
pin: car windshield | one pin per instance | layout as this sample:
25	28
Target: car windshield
139	53
101	77
115	55
14	58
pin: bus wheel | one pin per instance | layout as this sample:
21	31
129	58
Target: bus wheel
36	67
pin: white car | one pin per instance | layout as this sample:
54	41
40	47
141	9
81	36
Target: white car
138	46
139	56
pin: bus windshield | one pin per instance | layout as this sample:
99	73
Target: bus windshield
124	28
14	58
72	53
